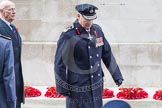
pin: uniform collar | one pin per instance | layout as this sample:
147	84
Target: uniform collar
81	29
78	26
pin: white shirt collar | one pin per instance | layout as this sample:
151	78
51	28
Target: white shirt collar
88	30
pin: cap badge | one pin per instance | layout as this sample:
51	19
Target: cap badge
91	11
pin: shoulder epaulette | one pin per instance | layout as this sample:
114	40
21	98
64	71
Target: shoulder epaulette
97	26
5	37
68	28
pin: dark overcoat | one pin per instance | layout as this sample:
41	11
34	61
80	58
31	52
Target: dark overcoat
17	43
7	75
78	70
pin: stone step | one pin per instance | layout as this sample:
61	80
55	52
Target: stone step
44	102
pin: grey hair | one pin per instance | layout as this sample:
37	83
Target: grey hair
4	3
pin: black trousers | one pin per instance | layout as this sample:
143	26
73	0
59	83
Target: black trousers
18	105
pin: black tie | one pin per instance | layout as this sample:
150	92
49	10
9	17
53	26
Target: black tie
14	31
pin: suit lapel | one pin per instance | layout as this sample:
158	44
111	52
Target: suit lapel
18	38
7	29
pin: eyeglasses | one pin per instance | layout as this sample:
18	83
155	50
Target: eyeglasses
10	9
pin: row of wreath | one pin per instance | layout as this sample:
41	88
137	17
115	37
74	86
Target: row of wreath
124	93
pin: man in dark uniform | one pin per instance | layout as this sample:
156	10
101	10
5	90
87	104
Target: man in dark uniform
7	75
78	71
8	13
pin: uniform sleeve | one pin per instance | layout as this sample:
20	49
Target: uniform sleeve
59	66
110	61
9	76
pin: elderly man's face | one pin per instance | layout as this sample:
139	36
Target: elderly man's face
86	24
8	12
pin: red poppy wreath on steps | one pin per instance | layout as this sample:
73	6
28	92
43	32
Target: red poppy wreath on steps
132	93
107	93
51	93
31	91
158	95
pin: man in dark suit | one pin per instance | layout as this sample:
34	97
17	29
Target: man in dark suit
7	75
7	13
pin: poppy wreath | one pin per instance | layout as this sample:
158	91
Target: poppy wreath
31	92
51	93
107	93
132	93
158	95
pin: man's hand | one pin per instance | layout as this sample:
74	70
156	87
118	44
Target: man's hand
119	82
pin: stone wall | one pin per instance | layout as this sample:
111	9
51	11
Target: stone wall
121	20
